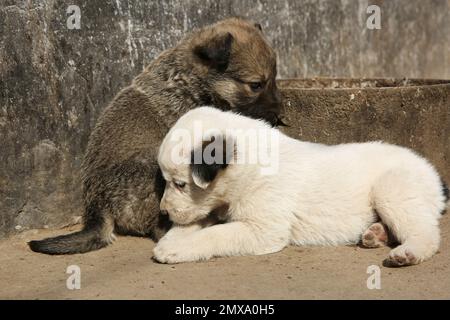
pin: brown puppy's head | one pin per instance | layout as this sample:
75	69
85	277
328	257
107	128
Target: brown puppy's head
239	68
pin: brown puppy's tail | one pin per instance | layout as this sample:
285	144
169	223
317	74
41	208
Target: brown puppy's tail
88	239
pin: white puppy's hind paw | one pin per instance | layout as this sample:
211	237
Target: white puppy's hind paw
403	255
376	236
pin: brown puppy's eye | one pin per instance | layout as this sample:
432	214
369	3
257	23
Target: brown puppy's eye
256	86
179	184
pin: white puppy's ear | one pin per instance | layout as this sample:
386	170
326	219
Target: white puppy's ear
199	182
210	158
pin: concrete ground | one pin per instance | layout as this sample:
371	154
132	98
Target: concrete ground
125	270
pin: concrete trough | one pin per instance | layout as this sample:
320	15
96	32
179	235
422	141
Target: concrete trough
410	112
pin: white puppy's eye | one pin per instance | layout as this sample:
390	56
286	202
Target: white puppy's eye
179	184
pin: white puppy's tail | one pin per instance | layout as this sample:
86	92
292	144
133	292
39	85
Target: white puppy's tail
446	193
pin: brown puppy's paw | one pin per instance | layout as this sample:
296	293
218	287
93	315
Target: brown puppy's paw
376	236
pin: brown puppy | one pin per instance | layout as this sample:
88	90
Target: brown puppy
228	65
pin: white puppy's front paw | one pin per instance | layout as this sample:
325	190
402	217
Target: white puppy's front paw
175	252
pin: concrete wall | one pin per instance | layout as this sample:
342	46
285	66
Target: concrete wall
54	81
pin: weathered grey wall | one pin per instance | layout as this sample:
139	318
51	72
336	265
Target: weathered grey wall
54	81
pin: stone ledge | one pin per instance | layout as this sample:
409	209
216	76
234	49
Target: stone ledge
414	113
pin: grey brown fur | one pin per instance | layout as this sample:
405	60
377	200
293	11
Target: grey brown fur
228	65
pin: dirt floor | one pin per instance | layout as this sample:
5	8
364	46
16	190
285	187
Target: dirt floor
125	270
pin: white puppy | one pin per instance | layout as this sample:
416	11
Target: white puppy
314	195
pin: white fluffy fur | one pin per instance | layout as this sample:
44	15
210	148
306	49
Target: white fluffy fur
321	195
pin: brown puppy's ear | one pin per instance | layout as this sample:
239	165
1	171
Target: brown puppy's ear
215	51
213	156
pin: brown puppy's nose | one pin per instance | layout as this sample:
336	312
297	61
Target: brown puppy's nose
277	97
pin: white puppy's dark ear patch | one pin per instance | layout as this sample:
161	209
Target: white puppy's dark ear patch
215	51
212	156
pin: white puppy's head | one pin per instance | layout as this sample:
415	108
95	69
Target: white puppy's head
194	169
209	157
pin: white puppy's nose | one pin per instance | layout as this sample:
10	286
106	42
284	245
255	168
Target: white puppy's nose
163	205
